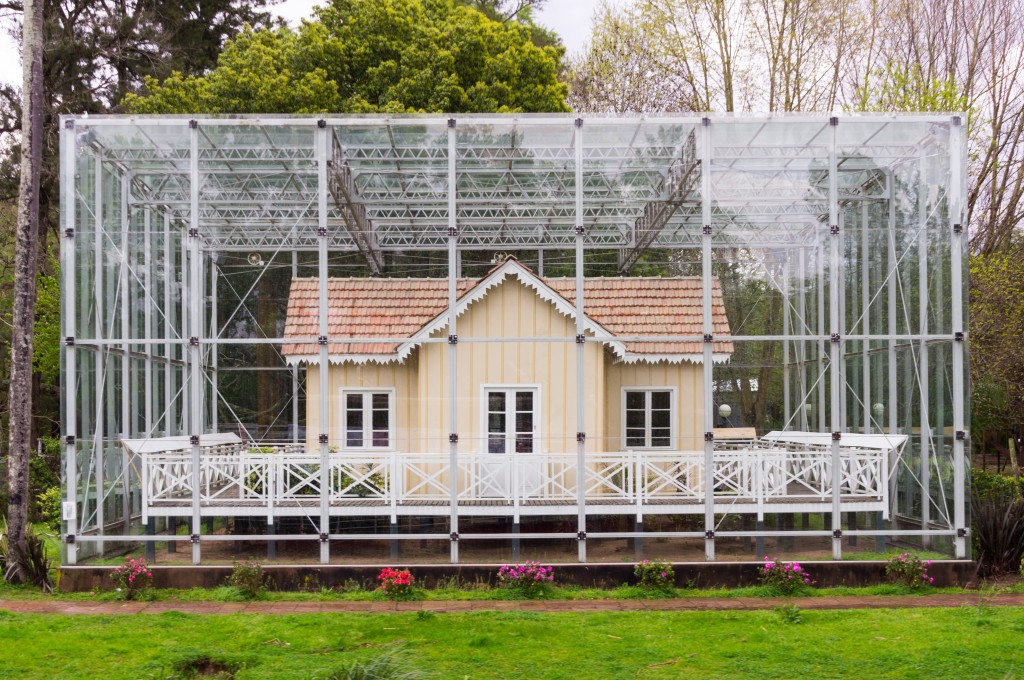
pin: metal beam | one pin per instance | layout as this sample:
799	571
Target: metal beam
343	190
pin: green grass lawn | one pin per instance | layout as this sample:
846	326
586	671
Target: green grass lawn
968	642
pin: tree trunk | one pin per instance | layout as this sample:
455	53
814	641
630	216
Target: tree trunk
25	267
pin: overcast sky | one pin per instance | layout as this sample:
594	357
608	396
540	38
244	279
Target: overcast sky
569	18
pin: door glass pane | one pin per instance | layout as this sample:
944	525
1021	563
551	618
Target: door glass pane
635	437
496	443
661	400
380	400
496	423
495	401
524	443
661	437
524	401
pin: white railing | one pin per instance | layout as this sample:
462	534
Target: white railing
633	477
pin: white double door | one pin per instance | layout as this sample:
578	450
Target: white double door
510	422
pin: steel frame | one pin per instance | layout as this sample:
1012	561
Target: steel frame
150	202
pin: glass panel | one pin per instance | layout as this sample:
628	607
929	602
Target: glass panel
635	419
496	422
635	399
524	443
661	419
380	418
496	443
380	400
661	400
635	438
524	401
354	401
496	401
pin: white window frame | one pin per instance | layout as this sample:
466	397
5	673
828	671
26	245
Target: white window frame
673	434
367	418
484	389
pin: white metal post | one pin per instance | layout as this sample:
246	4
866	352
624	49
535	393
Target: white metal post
125	396
836	353
892	266
196	331
922	354
787	397
70	326
99	446
295	367
805	398
149	300
214	346
708	327
170	413
320	140
581	418
865	298
956	217
453	400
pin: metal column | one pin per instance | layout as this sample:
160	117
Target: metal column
99	446
581	418
956	217
922	356
708	326
453	402
836	350
125	332
69	393
149	302
196	331
321	140
893	274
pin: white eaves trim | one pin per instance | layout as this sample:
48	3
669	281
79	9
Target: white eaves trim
480	290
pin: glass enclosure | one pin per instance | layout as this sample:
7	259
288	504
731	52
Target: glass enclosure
486	338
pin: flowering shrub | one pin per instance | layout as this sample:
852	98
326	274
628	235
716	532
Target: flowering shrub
131	578
657	575
909	570
249	578
396	584
784	577
529	578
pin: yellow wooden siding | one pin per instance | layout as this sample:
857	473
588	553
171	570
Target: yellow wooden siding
401	378
511	310
687	381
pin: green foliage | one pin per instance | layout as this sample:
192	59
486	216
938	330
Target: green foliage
655	575
249	579
790	614
46	347
998	532
33	567
391	665
905	88
48	504
990	485
997	324
366	56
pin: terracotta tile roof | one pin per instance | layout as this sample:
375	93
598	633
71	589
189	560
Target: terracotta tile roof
636	306
399	308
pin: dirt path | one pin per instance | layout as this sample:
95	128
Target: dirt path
678	604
